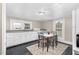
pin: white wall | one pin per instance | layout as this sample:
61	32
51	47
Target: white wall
47	25
36	25
68	29
0	28
7	23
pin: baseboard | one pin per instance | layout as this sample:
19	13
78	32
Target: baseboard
21	44
67	42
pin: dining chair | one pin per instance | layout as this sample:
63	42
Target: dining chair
42	42
39	40
52	41
55	38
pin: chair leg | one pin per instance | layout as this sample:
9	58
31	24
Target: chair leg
53	44
56	43
47	45
38	43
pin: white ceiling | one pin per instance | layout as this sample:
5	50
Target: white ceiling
30	10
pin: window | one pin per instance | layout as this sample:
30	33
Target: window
27	26
59	28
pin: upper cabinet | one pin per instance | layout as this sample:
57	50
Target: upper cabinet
20	24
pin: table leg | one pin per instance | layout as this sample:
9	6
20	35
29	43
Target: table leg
43	46
47	44
38	43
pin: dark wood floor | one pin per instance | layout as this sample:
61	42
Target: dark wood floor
21	49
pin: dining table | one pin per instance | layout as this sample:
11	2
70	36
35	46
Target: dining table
47	38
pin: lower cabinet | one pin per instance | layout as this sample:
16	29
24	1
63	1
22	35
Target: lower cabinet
20	37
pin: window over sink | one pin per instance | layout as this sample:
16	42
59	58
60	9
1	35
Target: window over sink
20	25
27	26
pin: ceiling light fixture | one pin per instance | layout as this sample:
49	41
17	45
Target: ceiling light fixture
42	12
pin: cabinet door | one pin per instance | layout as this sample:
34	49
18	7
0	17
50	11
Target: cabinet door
15	39
30	36
77	21
26	35
34	36
10	39
18	38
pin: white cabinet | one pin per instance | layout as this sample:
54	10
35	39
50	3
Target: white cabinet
75	27
14	38
34	35
10	41
20	37
77	21
30	36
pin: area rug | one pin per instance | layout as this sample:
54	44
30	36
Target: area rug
56	51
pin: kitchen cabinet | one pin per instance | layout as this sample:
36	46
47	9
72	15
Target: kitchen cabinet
75	28
15	38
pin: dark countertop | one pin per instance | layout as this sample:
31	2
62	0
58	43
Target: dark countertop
8	31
